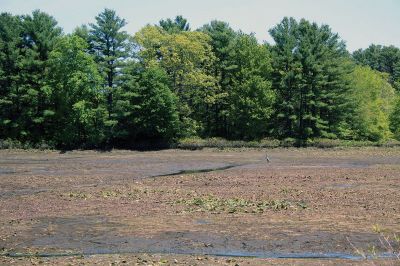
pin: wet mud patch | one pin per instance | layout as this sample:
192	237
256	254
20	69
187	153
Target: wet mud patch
5	171
20	192
94	235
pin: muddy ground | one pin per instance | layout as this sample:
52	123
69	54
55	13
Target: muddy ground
208	207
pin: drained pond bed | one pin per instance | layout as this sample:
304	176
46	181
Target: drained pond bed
201	207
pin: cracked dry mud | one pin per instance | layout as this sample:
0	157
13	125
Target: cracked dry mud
198	207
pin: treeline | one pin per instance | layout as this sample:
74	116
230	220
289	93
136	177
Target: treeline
101	87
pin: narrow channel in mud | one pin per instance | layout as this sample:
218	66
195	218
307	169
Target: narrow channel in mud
197	171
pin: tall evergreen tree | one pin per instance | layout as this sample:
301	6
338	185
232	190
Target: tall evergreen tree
31	38
10	100
310	79
222	39
111	47
286	77
40	34
175	26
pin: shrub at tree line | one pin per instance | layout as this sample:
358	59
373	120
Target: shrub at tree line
101	87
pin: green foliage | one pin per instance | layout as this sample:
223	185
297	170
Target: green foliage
371	98
250	98
395	118
111	48
309	78
146	106
222	38
25	44
175	26
76	115
242	70
157	116
16	144
381	58
187	58
92	89
10	30
196	143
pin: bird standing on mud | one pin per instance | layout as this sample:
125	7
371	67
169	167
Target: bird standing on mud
267	158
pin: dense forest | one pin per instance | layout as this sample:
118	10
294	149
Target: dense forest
101	87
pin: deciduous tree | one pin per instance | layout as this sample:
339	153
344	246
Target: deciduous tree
77	114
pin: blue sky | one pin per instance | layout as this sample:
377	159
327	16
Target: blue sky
358	22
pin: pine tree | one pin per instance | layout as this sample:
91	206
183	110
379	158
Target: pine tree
309	78
10	102
286	77
177	25
30	39
111	47
222	39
